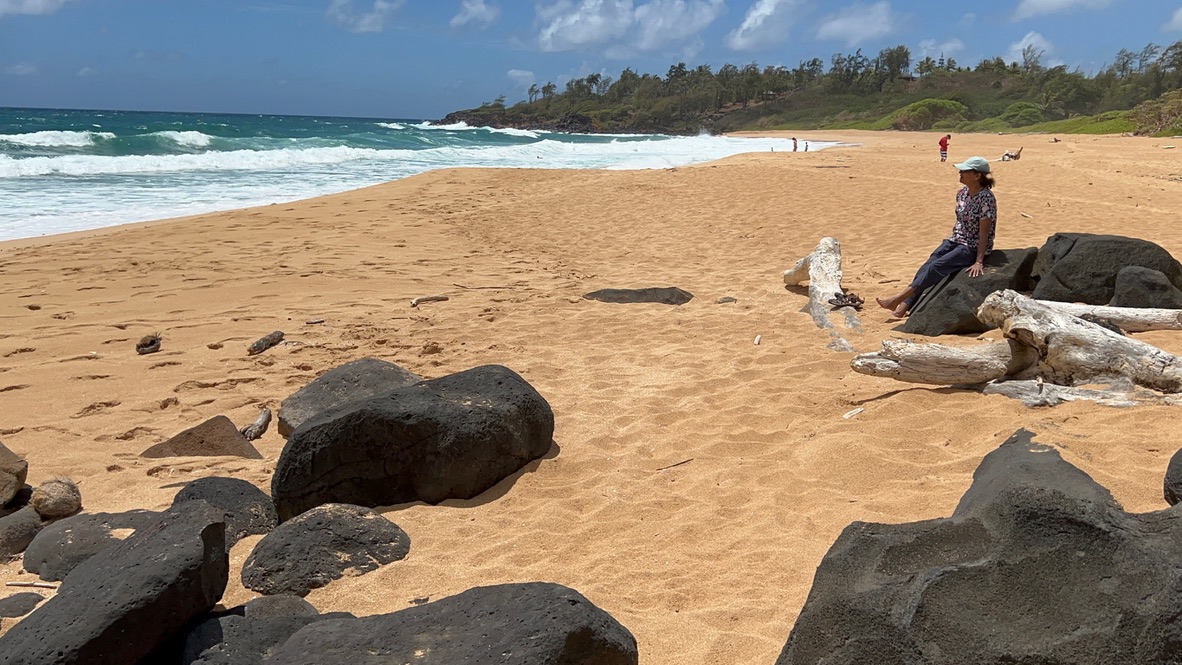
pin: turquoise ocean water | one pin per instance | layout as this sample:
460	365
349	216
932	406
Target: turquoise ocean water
71	170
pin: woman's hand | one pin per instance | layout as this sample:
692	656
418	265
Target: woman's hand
976	269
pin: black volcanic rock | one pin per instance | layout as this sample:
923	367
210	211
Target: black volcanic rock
359	379
1082	267
451	437
249	511
510	624
61	546
664	295
1038	564
950	307
321	545
124	602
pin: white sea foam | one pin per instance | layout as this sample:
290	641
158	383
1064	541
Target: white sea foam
55	138
513	132
187	139
391	125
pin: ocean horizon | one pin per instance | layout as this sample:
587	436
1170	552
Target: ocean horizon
64	170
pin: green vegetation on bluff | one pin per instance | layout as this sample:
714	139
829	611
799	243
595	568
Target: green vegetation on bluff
1139	92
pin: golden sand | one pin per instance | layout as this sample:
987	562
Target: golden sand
697	478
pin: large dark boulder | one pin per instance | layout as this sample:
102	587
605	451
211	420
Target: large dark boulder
61	546
248	634
1172	484
249	511
1145	287
1082	267
20	604
447	438
321	545
13	471
950	307
122	603
23	496
664	295
511	624
359	379
18	530
1038	564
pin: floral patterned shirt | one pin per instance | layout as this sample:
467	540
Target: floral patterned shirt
970	210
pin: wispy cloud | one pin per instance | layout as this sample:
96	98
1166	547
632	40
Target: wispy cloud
475	12
662	23
1040	43
86	71
30	6
21	69
1030	8
858	23
521	78
936	48
766	24
591	23
1175	22
342	12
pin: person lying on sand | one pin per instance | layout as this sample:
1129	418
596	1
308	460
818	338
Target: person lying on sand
1011	156
971	241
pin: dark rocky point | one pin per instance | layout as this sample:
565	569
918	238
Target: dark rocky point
1037	564
322	545
668	295
360	379
448	438
249	511
509	624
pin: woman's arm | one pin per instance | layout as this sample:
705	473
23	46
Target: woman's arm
977	268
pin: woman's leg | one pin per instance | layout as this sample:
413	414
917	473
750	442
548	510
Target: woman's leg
945	260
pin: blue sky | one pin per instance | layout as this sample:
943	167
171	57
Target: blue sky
423	58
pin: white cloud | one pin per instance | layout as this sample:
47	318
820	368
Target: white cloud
1029	8
664	22
591	23
766	24
1040	43
858	23
521	78
935	49
476	12
87	71
21	69
30	6
1175	22
374	20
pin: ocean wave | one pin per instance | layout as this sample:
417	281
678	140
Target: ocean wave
56	138
391	125
236	160
189	139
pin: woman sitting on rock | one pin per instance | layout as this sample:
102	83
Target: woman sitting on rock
971	241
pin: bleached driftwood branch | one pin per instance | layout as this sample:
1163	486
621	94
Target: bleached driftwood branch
822	269
1132	319
1046	355
258	427
1074	351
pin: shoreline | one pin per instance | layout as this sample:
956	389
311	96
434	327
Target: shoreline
707	560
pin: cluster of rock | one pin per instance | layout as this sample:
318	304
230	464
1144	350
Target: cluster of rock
25	510
365	434
1037	564
1070	267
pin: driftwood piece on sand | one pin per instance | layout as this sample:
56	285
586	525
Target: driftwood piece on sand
1074	351
259	426
1131	319
1048	357
265	342
422	299
822	269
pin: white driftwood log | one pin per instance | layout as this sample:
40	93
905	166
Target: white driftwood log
937	364
1074	351
1041	393
1132	319
822	269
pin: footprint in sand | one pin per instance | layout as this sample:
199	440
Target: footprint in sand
26	349
21	386
97	407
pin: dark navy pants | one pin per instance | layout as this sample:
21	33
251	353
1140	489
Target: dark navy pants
948	258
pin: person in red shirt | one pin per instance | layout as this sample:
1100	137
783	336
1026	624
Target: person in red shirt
944	147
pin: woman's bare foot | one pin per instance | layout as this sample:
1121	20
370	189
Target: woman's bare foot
900	311
887	303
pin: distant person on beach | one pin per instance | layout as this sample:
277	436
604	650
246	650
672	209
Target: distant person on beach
806	146
793	144
944	147
971	241
1011	156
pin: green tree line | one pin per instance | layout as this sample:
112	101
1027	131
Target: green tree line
1137	92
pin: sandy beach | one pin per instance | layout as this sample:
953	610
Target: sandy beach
697	478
